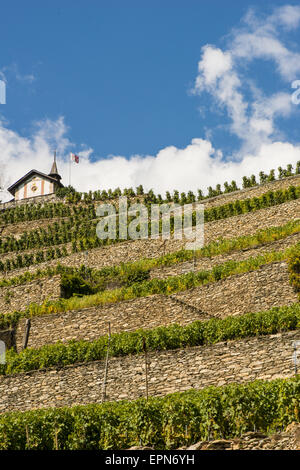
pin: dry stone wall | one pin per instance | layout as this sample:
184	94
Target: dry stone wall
254	291
30	200
255	191
131	250
164	272
18	228
266	358
252	440
240	361
13	229
250	223
249	292
18	297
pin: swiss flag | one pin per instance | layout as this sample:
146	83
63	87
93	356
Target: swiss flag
74	158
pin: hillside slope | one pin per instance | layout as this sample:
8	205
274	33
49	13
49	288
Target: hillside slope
226	314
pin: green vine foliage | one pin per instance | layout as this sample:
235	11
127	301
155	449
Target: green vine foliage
9	320
198	333
294	270
48	210
165	423
173	336
86	238
81	283
71	196
28	212
120	273
156	286
134	281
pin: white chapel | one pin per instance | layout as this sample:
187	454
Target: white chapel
36	183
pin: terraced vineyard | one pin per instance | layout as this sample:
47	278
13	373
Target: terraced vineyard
201	343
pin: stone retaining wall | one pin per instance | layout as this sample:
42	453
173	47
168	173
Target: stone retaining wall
18	228
255	191
129	251
30	200
164	272
12	229
18	297
249	292
266	357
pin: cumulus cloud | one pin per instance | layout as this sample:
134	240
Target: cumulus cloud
220	74
287	15
252	113
196	166
260	38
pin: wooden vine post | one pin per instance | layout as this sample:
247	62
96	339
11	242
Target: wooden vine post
146	366
26	333
106	365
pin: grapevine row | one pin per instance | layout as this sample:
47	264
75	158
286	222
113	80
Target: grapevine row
86	238
166	422
166	286
198	333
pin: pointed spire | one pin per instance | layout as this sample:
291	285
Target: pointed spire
54	172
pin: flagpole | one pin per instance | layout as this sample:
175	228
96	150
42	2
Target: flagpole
70	170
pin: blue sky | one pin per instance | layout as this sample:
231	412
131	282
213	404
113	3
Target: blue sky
120	84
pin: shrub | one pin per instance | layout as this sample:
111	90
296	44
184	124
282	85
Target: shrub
168	422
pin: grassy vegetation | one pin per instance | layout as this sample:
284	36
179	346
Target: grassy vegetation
174	336
122	273
157	286
137	287
9	320
86	238
48	210
294	270
165	423
178	419
160	286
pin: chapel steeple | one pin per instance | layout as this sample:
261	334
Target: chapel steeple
54	172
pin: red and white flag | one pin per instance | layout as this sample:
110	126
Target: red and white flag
74	158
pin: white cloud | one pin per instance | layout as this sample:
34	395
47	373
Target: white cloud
287	15
260	38
220	73
196	166
199	164
214	64
216	75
